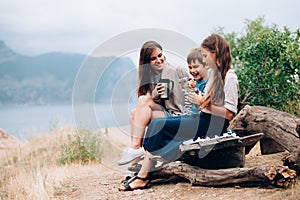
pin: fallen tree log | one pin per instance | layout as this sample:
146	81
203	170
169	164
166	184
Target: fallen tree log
293	161
280	176
281	130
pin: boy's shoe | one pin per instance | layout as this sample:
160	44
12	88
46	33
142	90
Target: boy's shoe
129	154
192	141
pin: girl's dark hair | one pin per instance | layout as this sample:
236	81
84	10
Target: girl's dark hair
145	70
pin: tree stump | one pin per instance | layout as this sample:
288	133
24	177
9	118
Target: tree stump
281	130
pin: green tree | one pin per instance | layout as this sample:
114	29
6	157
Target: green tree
267	62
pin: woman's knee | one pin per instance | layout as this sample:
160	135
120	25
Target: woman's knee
144	100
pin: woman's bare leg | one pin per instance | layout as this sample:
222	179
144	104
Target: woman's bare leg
146	110
132	114
146	165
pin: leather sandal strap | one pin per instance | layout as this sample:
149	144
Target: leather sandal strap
127	186
141	178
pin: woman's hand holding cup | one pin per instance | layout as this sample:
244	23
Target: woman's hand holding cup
160	88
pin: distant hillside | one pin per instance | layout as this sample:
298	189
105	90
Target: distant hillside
49	78
6	53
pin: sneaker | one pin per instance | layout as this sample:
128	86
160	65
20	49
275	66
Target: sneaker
188	142
158	164
192	141
129	154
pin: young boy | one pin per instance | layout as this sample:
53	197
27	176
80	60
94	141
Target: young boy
199	72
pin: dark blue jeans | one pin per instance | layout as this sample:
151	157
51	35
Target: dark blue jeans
165	135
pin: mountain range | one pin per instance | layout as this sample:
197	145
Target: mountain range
49	78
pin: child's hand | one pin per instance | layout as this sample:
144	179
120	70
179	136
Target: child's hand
194	98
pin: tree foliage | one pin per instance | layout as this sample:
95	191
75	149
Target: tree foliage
267	62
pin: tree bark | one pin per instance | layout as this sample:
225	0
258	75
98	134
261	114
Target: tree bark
280	176
281	130
293	161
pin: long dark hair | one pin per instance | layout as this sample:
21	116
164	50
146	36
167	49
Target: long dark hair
218	45
145	70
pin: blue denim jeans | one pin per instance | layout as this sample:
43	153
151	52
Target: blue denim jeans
165	135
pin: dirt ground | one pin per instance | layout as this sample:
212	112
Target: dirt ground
101	182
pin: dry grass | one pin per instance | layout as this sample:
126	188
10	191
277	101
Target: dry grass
26	168
32	170
290	194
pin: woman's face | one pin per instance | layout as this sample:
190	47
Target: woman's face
157	60
209	58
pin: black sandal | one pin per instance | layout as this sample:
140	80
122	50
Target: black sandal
126	178
128	188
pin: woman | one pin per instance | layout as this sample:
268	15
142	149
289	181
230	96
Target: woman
152	68
219	105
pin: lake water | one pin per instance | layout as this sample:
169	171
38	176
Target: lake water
24	122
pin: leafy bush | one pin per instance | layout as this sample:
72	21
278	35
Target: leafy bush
267	62
82	147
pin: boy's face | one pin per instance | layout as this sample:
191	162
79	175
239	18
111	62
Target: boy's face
197	70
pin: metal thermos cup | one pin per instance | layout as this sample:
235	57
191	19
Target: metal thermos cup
168	84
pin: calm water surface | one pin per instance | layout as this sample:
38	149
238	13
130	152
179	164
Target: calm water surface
26	121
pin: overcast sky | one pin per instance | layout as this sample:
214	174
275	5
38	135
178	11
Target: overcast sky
33	27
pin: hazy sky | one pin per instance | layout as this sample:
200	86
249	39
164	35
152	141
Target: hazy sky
37	26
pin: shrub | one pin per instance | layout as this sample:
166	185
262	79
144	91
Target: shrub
82	147
267	62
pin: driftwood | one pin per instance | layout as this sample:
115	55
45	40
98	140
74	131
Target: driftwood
293	161
281	130
280	176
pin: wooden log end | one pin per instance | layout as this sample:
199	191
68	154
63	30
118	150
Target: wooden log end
281	176
292	161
